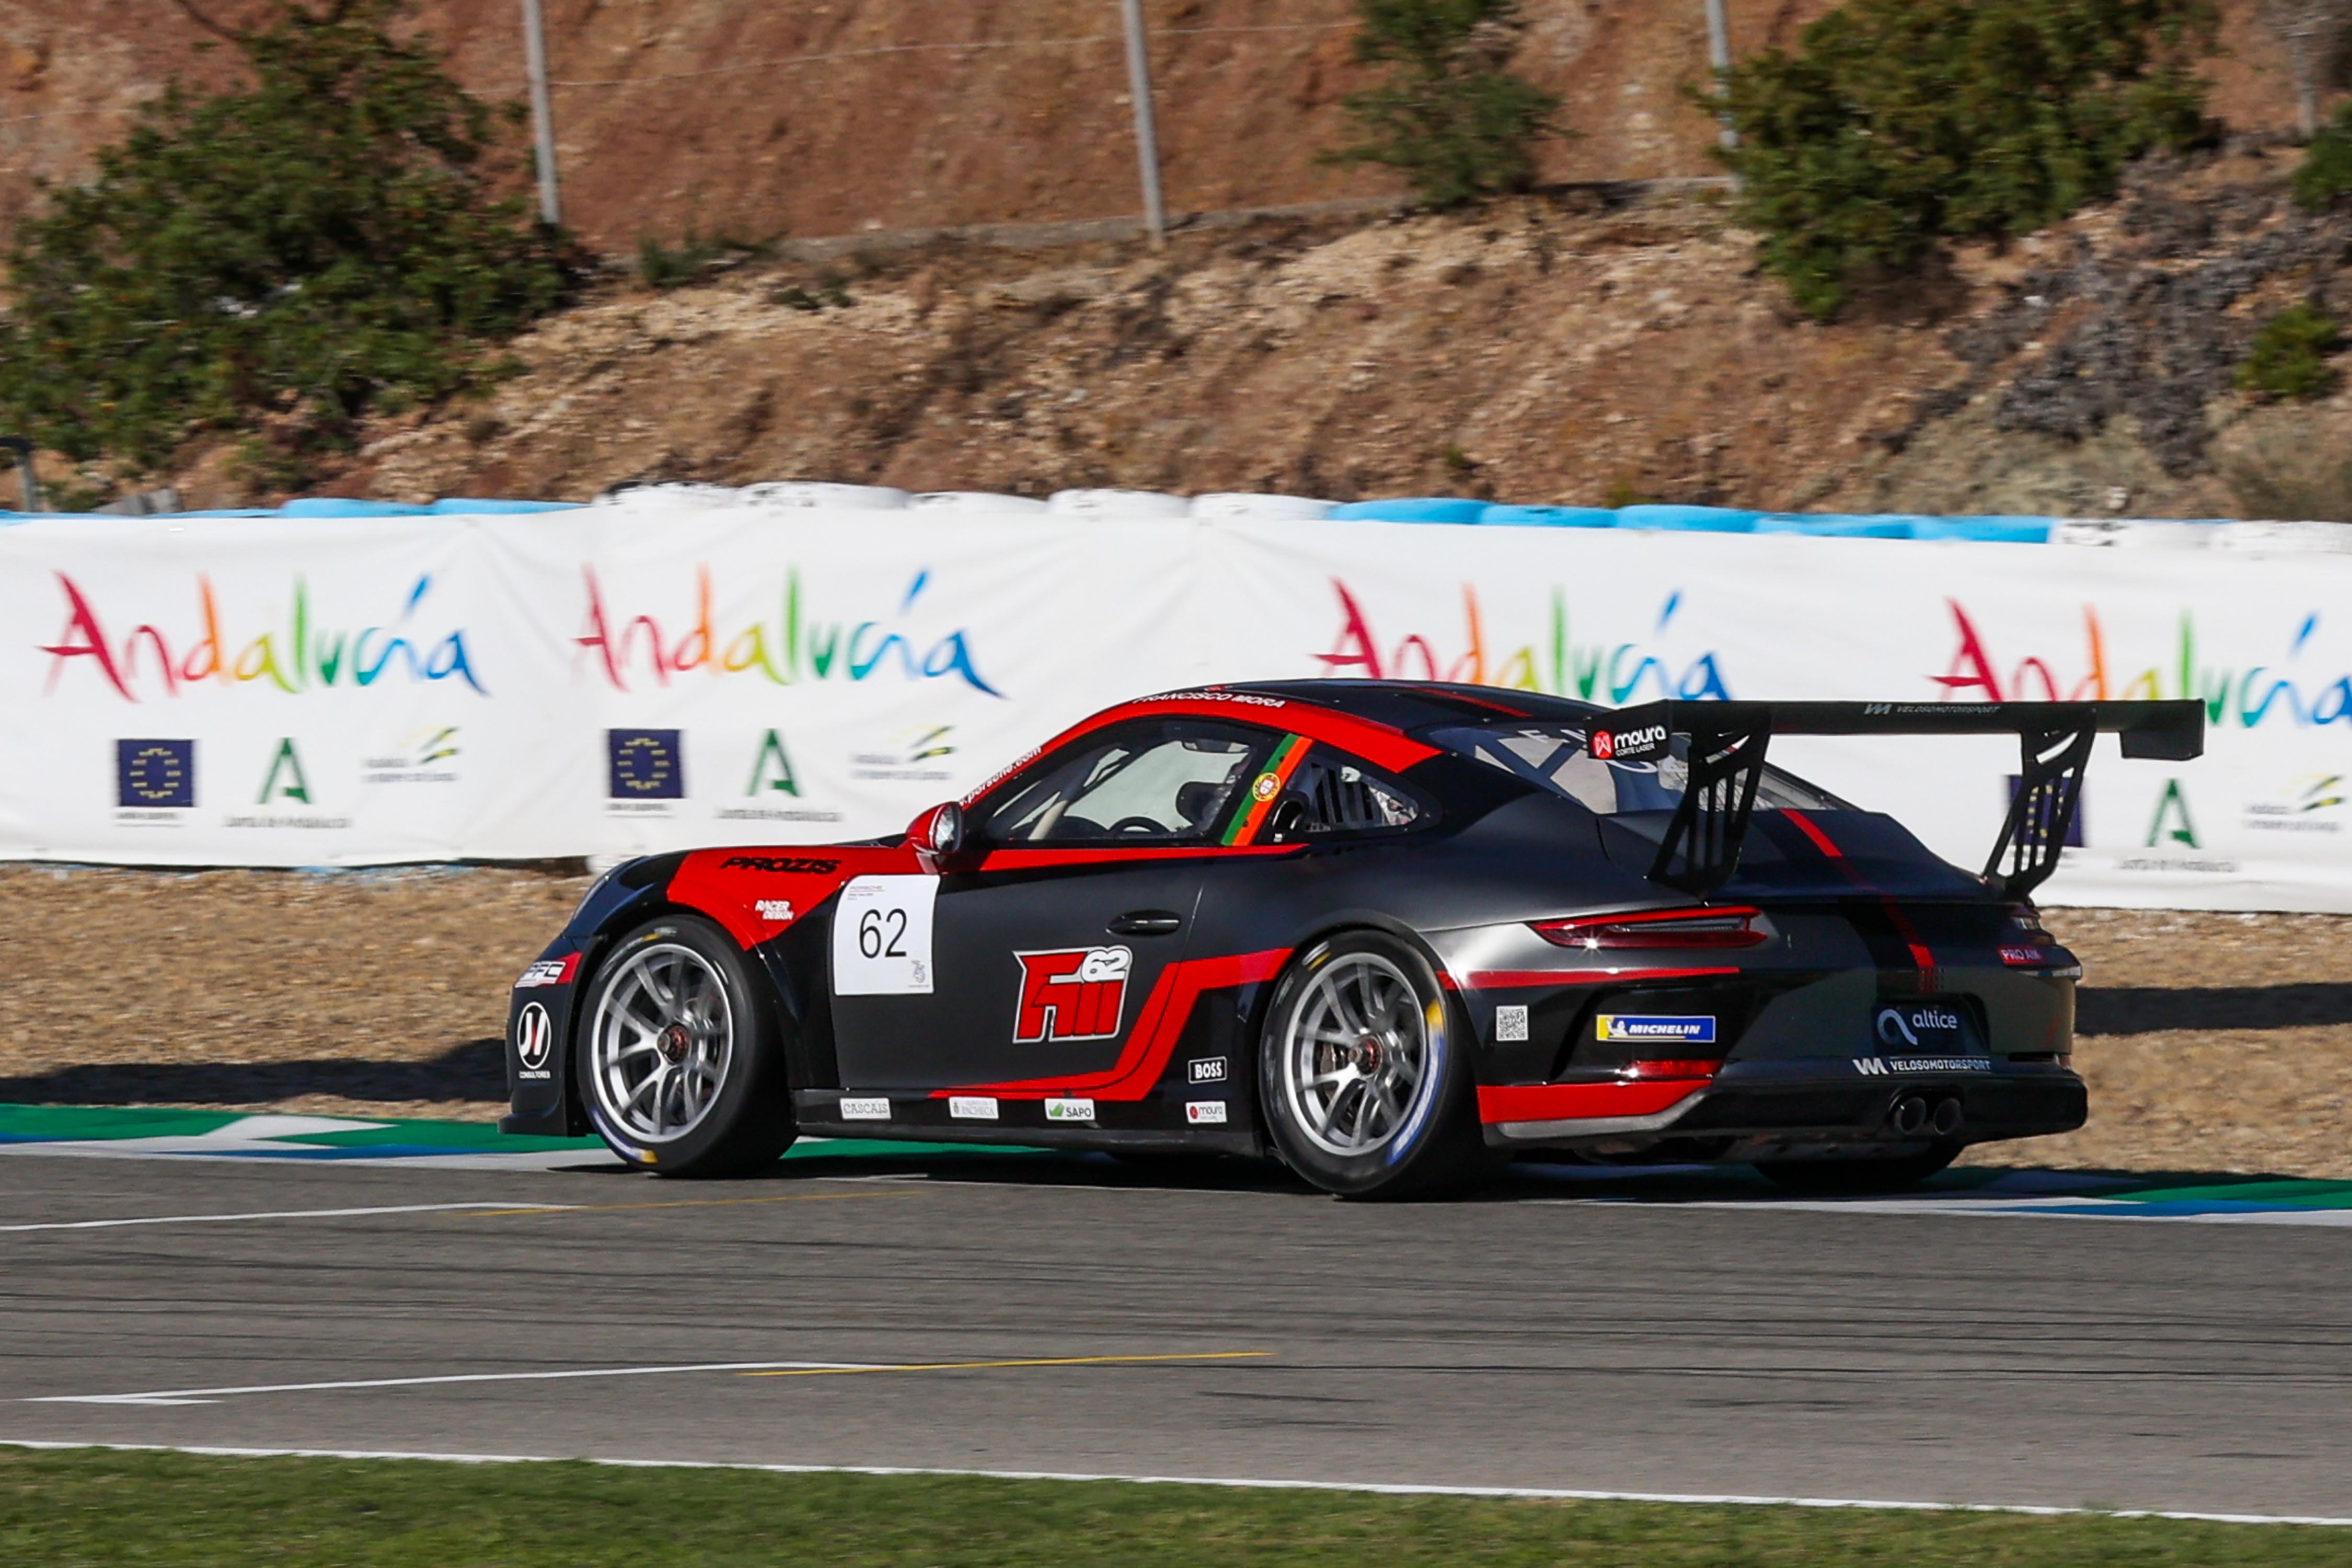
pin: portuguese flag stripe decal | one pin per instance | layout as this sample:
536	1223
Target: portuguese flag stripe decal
1268	787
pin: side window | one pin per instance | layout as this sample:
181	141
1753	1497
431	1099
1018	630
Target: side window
1310	791
1166	781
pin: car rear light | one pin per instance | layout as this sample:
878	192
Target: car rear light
1720	927
1680	1067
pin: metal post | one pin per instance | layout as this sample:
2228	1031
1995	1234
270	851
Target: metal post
1147	140
542	115
1719	55
24	450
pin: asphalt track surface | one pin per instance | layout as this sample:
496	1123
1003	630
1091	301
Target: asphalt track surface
1533	1337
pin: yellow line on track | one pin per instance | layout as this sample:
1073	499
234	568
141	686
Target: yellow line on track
689	1203
981	1365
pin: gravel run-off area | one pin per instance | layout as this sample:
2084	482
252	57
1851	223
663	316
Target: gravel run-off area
2211	1042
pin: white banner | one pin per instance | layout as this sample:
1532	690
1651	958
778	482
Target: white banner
625	678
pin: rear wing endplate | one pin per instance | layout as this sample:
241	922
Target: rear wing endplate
1727	741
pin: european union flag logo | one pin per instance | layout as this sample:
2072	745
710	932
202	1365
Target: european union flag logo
646	764
155	773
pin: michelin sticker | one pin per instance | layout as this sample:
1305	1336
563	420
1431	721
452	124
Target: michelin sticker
1697	1031
882	937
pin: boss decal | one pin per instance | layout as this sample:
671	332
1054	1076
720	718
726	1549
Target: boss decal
1078	993
1207	1069
779	864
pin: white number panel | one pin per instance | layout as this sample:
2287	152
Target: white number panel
882	937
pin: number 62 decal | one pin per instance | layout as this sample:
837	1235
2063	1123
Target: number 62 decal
882	937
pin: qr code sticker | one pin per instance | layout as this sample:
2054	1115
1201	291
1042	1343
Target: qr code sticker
1510	1024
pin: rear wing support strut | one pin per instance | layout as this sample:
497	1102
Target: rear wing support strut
1727	743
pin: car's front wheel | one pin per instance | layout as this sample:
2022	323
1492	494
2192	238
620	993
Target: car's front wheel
1365	1079
680	1055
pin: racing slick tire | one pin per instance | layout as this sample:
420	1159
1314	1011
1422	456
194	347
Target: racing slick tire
1886	1175
680	1057
1365	1076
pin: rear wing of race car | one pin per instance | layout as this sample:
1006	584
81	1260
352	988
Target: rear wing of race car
1727	741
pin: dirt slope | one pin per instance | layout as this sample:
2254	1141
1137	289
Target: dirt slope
1541	350
828	116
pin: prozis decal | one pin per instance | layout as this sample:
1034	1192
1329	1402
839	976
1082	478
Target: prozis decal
1079	993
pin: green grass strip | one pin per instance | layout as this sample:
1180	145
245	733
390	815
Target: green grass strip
87	1507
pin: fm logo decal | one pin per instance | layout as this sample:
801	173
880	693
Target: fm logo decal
534	1039
1079	993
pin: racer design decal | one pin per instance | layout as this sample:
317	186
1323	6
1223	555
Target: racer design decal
1078	993
1158	1024
549	972
1267	789
777	911
1696	1031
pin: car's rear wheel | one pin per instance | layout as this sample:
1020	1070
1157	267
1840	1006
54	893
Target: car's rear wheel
1364	1076
681	1054
1890	1174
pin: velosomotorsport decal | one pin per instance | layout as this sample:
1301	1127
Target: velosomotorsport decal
1079	993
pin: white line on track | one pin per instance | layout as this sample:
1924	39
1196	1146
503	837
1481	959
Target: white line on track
210	1395
1390	1488
267	1214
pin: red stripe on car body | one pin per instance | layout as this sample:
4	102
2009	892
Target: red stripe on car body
1382	745
1158	1026
1581	1102
1921	954
1495	979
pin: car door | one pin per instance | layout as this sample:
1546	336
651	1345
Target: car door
1049	933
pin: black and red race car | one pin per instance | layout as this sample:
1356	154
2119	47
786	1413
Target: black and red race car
1383	932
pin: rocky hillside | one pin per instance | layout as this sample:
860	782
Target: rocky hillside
823	117
1549	350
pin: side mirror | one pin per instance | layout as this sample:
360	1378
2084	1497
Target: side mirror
937	834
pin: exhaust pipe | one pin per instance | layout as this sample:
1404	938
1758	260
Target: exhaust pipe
1945	1119
1910	1115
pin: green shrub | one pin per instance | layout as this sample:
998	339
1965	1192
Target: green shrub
666	266
2326	172
1900	124
284	257
2289	355
1451	116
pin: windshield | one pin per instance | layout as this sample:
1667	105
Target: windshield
1553	757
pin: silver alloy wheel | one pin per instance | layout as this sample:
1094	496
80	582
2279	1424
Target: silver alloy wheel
1355	1057
663	1036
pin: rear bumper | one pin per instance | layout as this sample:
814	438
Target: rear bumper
1784	1103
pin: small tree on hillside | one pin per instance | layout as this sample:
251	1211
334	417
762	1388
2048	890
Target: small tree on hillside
1900	124
1451	117
324	242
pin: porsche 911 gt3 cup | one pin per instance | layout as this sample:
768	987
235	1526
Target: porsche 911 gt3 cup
1386	932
